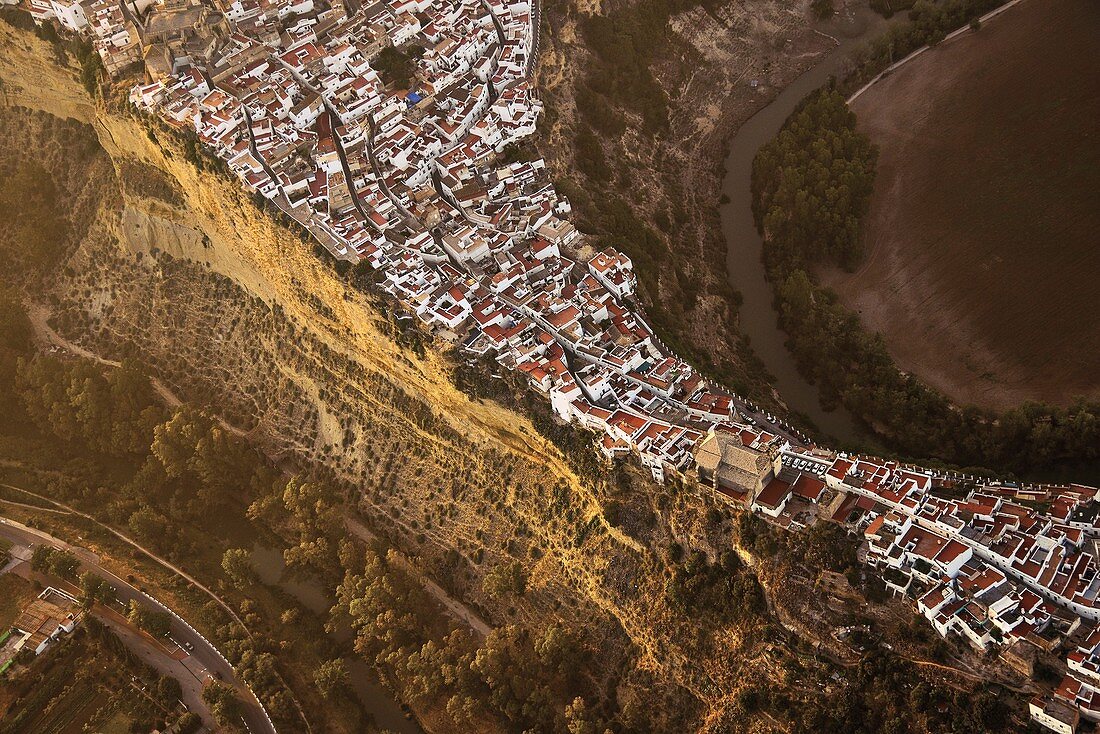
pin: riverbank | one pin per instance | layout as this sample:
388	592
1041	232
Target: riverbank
797	182
981	233
757	316
387	711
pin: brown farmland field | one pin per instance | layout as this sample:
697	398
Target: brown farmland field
983	240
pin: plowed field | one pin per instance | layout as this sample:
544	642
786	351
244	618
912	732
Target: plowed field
983	240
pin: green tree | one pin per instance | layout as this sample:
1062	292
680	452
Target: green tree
315	512
147	523
110	412
189	723
237	564
504	580
168	690
225	705
822	8
174	441
201	456
156	623
54	561
394	65
578	718
15	342
94	589
332	678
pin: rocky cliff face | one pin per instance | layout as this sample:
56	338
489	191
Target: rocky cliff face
175	266
178	269
714	63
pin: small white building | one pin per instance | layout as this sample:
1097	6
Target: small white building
1057	716
52	614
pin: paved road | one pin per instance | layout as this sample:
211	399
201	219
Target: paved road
134	544
188	671
536	31
372	130
204	659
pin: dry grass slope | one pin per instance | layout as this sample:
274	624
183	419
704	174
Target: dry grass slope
177	268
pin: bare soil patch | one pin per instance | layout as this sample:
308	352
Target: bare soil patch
983	238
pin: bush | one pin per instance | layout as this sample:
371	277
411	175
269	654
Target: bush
506	580
727	589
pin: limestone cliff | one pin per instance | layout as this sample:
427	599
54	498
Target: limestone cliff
176	267
181	271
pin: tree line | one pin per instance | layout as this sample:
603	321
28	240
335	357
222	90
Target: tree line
811	186
178	469
518	679
927	24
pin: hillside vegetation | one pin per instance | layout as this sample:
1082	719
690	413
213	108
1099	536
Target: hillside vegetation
641	97
614	604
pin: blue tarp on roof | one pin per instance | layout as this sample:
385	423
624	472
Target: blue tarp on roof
412	98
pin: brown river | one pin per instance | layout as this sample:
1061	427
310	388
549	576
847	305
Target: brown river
759	320
376	699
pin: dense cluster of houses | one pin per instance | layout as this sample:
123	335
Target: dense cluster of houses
1002	566
421	183
418	177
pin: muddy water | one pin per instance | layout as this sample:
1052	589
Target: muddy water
376	699
759	320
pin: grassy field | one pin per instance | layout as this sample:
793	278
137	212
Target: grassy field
982	234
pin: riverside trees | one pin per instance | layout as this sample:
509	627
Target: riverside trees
523	678
811	186
111	413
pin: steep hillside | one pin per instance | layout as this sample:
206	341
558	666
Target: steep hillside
177	268
232	310
642	98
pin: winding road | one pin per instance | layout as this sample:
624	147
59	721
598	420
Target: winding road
193	661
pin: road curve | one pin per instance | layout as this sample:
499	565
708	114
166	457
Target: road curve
209	659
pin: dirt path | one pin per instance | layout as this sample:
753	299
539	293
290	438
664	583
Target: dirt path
39	316
134	544
974	677
454	607
34	508
190	669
